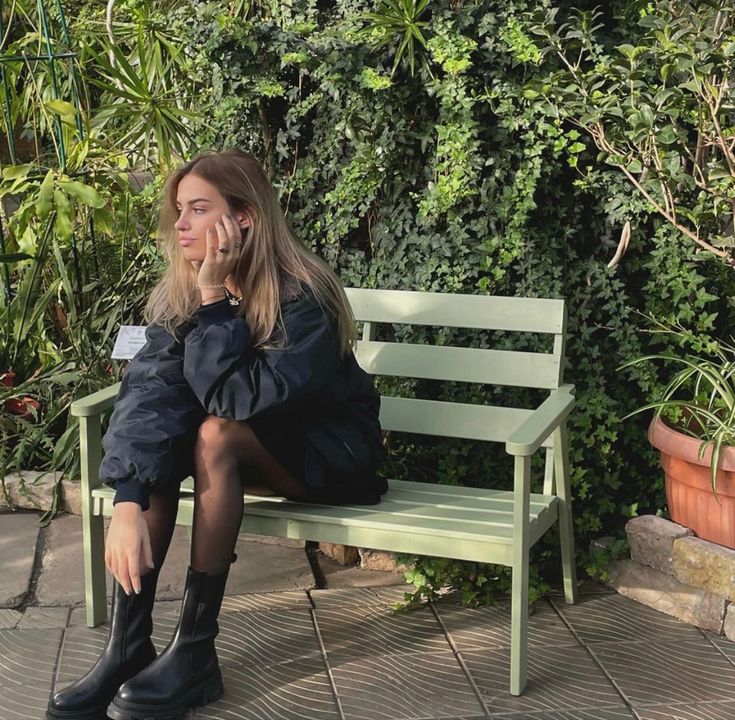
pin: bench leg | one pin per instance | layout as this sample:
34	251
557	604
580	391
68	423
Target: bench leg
566	520
93	527
95	586
519	602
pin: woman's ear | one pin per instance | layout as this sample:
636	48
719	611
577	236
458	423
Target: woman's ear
245	218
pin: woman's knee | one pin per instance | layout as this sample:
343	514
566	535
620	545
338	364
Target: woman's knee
213	438
221	438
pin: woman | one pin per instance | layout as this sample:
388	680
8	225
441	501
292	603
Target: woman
248	375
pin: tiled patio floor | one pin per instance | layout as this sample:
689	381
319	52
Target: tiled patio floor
331	654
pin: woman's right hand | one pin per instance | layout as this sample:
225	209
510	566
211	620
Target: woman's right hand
128	546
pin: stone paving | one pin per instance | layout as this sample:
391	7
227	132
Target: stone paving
290	651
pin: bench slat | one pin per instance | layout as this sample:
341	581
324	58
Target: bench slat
458	517
474	499
449	495
476	549
453	491
502	514
477	365
490	312
356	516
452	419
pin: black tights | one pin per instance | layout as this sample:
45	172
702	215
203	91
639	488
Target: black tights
217	518
218	503
161	520
218	508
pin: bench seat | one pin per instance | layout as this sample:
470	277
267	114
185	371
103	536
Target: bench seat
413	517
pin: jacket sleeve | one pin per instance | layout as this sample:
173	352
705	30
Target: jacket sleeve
155	417
232	380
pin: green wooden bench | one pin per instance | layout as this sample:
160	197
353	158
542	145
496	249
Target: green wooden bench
494	526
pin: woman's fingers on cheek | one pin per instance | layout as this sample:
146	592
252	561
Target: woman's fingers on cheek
222	231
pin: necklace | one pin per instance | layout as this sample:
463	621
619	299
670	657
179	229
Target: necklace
231	298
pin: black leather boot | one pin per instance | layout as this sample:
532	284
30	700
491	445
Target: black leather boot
186	674
128	650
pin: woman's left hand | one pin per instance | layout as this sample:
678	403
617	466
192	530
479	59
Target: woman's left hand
218	265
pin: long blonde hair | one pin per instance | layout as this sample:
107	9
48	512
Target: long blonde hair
272	256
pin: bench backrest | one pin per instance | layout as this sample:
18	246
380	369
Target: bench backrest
474	365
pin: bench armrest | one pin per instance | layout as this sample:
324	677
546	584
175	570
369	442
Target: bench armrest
96	402
537	427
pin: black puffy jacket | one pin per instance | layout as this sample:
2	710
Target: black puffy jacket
210	368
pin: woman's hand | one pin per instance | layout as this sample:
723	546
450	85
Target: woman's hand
218	265
128	547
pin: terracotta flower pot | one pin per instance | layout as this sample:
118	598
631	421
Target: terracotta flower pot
689	487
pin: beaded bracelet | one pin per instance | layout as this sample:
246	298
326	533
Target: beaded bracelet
230	297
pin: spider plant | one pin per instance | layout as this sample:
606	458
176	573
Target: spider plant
699	400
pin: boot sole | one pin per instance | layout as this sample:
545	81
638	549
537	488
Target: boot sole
206	692
98	713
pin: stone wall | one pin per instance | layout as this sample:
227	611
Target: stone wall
676	573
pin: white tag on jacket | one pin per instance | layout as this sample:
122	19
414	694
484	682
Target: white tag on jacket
130	339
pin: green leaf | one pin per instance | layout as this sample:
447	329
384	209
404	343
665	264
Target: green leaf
45	201
13	172
61	107
647	115
63	220
627	50
631	52
15	257
667	135
104	220
85	193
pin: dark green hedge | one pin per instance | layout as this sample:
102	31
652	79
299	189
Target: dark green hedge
449	180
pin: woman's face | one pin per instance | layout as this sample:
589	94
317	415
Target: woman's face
200	206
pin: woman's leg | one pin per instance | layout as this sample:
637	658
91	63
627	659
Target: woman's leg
187	672
161	520
225	450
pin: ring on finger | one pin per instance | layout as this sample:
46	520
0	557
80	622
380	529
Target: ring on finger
224	249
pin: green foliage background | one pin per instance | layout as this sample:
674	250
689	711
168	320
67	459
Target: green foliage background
450	179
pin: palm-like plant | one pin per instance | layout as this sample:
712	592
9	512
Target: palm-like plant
141	106
400	19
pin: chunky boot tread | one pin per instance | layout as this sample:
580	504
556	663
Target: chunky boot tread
207	692
94	713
